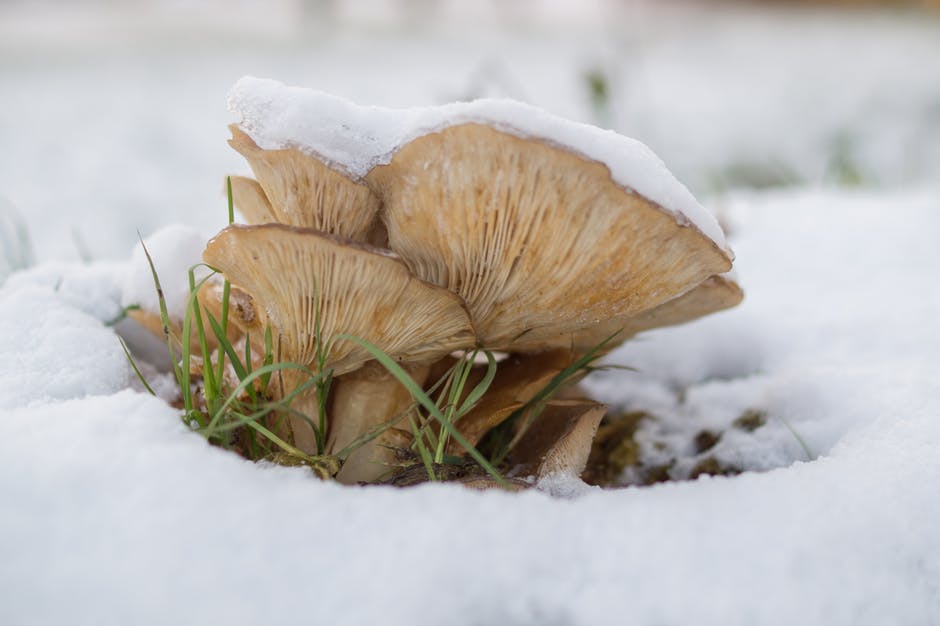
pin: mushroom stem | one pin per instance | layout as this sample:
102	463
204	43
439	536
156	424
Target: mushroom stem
304	413
362	401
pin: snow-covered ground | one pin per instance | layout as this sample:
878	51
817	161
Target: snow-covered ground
113	512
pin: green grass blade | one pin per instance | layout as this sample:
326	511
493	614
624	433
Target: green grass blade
249	379
423	452
482	387
229	349
231	201
165	320
140	375
418	394
211	390
248	352
268	357
226	286
226	291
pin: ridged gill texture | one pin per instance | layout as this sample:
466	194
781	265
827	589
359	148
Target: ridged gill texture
538	241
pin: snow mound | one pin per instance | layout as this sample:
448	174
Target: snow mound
356	138
115	513
51	349
174	249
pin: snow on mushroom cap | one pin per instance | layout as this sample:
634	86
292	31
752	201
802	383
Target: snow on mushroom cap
356	138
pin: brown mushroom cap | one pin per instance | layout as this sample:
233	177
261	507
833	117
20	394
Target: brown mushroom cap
244	317
714	294
559	440
518	379
359	290
250	200
537	240
305	192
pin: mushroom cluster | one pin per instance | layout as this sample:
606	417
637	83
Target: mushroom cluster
469	235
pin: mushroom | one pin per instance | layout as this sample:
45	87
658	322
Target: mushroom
361	401
303	191
714	294
519	378
547	250
559	439
243	316
251	201
547	245
539	241
305	279
246	323
298	189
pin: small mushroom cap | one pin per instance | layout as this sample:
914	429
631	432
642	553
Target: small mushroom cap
153	323
518	379
250	200
714	294
538	241
244	319
303	191
297	274
559	440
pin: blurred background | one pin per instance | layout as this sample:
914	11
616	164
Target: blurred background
113	112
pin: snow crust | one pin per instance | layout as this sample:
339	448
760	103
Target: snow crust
357	138
115	513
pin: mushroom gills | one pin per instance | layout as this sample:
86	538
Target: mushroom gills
539	241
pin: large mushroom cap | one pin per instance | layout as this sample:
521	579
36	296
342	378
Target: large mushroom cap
537	240
714	294
303	191
299	274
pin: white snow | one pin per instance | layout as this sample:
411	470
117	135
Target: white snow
116	513
356	138
174	250
53	343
